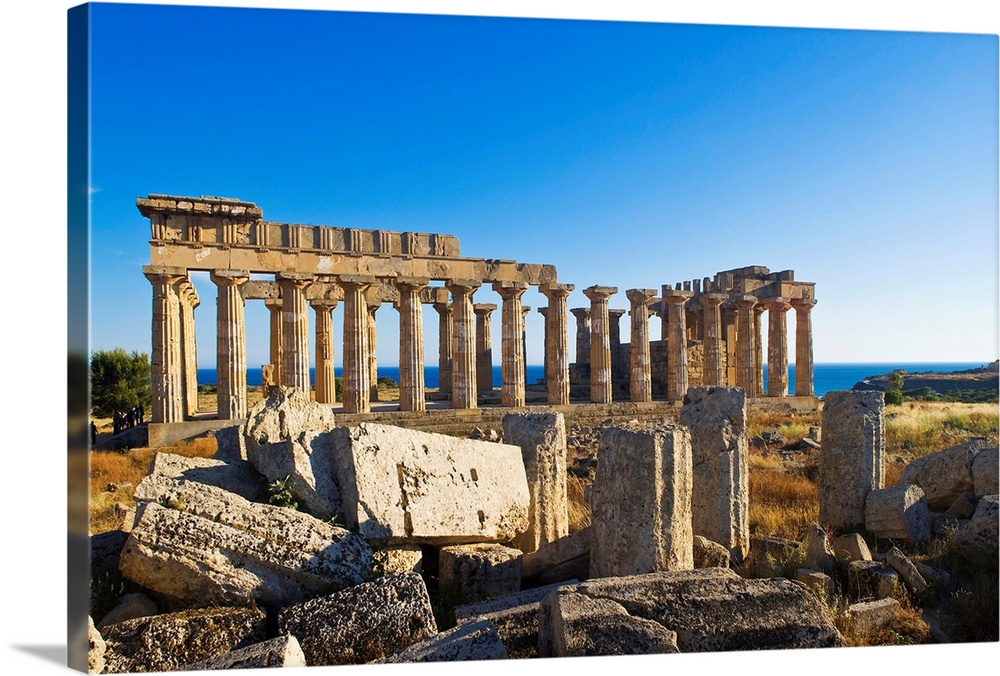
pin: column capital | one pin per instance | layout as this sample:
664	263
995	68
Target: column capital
233	277
320	304
442	308
598	293
776	303
525	309
355	282
272	303
484	309
299	277
188	293
745	302
163	274
675	296
544	311
582	314
552	290
462	286
802	304
640	295
616	314
510	289
414	284
710	299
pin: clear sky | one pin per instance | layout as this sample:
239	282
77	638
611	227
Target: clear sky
624	153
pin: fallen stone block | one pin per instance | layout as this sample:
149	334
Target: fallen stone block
230	445
96	648
818	583
708	554
476	640
934	576
398	559
899	512
943	525
945	475
976	541
563	559
986	472
105	552
283	651
468	573
129	607
816	551
871	616
239	477
963	507
401	485
362	624
871	580
902	565
199	544
851	547
169	642
770	557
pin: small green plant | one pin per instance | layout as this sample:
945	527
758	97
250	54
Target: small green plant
279	493
176	503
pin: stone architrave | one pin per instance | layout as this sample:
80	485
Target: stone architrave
165	365
373	306
899	512
640	381
357	381
478	572
189	300
746	345
294	331
542	440
231	359
512	364
484	346
411	344
582	315
651	531
463	364
777	347
803	346
326	390
676	337
556	346
720	497
713	375
600	343
851	463
444	346
273	306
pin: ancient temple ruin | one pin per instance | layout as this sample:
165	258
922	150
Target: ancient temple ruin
711	328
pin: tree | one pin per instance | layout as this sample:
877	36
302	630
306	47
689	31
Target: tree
893	392
118	381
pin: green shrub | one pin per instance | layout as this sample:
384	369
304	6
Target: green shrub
894	397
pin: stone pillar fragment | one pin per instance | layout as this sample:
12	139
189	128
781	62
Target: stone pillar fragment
600	343
851	461
676	337
373	307
614	327
777	347
273	306
484	346
556	347
712	374
444	346
582	315
651	530
803	346
357	381
411	344
294	330
512	343
326	384
231	357
900	513
717	420
746	345
189	300
463	375
166	394
640	381
758	353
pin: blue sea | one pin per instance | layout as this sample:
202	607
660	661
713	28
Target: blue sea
826	377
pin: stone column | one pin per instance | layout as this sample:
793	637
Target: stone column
484	346
274	307
189	300
326	384
712	374
852	457
677	376
556	344
373	307
411	343
544	311
758	354
231	356
640	377
294	331
357	382
165	366
512	365
582	315
525	309
600	343
803	346
463	374
777	347
444	346
746	345
614	327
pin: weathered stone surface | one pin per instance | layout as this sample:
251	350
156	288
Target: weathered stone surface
283	651
363	623
169	642
871	579
399	559
698	605
851	547
230	444
129	607
934	576
200	544
405	485
717	420
770	556
902	565
899	512
872	615
818	582
651	531
105	550
963	507
238	477
976	541
468	573
943	525
476	640
288	435
542	440
576	625
96	648
986	472
944	475
817	552
563	559
851	463
708	554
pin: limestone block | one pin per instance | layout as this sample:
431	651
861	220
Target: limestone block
96	648
871	615
169	642
816	550
851	547
283	651
851	462
230	444
899	512
562	559
963	507
288	435
943	525
404	485
363	623
476	640
986	472
129	607
818	582
934	576
976	541
651	531
468	573
105	551
236	477
200	544
708	554
542	440
871	579
902	565
717	420
944	475
399	559
576	625
698	605
770	556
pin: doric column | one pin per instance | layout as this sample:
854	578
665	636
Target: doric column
640	376
525	309
411	343
373	307
803	346
357	383
712	374
326	385
556	346
746	345
777	347
188	298
758	350
582	315
273	306
614	327
544	311
600	343
231	358
294	330
165	360
444	346
511	343
677	375
463	349
484	346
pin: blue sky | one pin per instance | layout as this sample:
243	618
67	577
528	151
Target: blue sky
625	153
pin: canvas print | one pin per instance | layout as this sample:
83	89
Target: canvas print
420	338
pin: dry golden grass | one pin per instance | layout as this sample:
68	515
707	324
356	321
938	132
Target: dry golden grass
926	427
579	510
783	502
793	426
908	628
